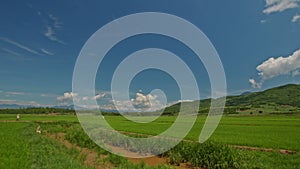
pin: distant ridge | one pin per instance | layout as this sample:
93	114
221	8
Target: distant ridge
287	95
283	95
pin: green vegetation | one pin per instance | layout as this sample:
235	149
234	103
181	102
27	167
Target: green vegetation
280	100
39	110
283	95
21	147
206	155
38	118
257	131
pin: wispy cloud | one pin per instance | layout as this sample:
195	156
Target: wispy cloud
274	67
273	6
15	93
51	35
296	18
22	103
16	44
57	24
263	21
10	52
47	52
53	25
48	95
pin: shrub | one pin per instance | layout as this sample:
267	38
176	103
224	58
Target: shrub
207	155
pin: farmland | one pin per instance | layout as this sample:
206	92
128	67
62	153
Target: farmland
22	146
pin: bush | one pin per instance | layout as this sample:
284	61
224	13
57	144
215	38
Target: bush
207	155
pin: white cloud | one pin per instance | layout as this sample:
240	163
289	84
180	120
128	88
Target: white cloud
149	102
21	103
274	67
263	21
296	18
56	22
19	45
67	97
255	84
48	95
47	52
53	25
99	96
295	73
10	52
142	101
85	98
279	5
15	93
51	35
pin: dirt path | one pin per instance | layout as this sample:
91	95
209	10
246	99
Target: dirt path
92	158
264	149
14	121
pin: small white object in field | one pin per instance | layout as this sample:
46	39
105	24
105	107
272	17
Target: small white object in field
103	117
38	130
18	116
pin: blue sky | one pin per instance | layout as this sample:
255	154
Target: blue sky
257	41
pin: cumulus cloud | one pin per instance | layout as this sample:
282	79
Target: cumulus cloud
296	18
279	5
274	67
67	97
142	101
99	96
255	84
149	102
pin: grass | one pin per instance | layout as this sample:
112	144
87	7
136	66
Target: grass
14	149
21	147
267	160
39	117
279	132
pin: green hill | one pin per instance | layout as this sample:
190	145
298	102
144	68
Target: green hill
284	99
283	95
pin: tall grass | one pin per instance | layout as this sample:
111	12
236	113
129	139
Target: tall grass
22	147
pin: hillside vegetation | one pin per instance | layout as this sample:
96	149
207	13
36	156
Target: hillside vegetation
283	99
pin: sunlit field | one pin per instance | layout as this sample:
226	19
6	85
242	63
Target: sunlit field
62	143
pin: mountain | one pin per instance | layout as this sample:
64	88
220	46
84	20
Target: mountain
246	93
283	95
12	106
287	95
